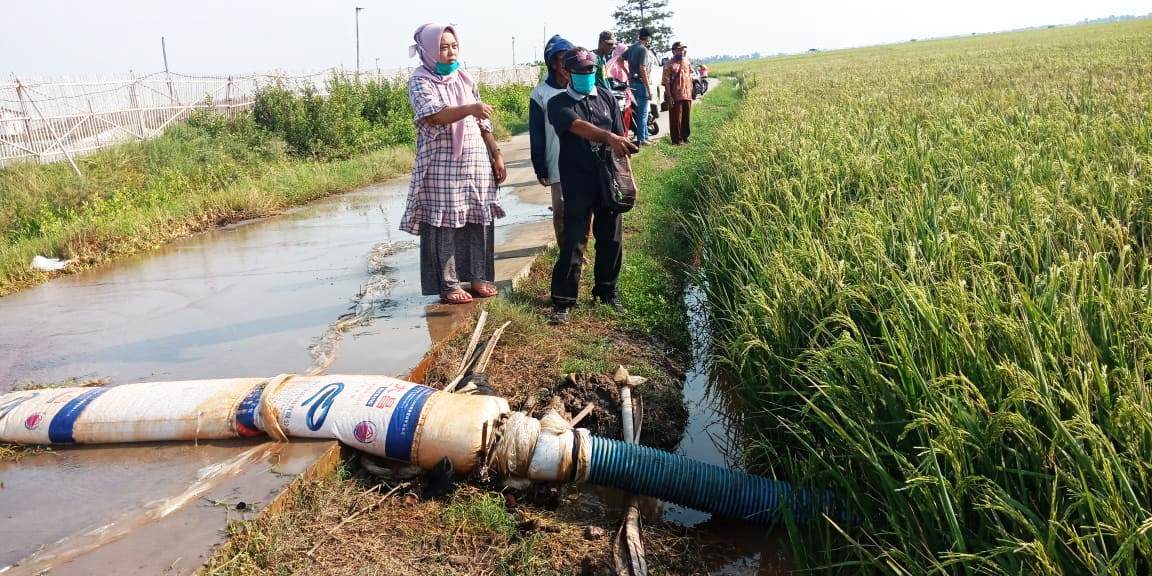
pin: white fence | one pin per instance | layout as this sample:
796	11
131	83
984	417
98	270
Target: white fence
48	120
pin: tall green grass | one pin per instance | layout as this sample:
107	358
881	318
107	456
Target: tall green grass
929	268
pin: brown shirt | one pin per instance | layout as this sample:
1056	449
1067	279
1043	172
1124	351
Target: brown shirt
678	79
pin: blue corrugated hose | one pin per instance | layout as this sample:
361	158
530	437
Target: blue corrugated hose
721	491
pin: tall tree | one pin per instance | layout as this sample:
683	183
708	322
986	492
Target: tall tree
633	15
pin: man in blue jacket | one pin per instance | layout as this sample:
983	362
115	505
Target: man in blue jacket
544	143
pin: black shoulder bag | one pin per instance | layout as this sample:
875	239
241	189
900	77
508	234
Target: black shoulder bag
617	185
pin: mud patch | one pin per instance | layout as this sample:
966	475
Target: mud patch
578	390
371	301
529	370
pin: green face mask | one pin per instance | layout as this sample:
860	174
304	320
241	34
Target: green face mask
584	83
446	69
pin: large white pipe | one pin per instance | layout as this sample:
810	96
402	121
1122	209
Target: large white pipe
376	414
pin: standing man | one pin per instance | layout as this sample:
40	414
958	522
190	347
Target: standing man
677	81
637	57
603	55
586	115
545	145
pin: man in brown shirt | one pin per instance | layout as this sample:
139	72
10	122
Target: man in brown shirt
677	81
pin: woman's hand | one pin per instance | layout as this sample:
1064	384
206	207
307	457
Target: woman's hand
498	168
481	110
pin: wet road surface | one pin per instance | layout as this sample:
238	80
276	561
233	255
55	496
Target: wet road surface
251	300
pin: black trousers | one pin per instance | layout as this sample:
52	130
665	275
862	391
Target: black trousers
607	229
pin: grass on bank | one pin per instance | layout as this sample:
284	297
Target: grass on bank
213	169
474	531
928	267
340	524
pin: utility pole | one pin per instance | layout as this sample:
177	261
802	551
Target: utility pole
358	9
513	50
377	65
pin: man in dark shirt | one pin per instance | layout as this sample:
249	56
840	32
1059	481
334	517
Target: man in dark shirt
604	50
584	116
641	84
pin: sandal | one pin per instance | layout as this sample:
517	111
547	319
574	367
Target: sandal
485	289
455	296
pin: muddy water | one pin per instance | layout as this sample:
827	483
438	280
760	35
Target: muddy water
243	301
249	300
712	436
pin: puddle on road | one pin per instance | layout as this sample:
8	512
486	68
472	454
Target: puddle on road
253	299
248	300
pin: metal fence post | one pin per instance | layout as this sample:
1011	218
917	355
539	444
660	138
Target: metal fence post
228	96
59	141
136	106
92	118
20	95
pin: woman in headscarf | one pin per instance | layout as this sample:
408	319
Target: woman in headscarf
617	66
617	69
452	200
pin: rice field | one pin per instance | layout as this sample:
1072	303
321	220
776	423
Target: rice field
929	269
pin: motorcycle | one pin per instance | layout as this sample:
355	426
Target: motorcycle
699	85
630	111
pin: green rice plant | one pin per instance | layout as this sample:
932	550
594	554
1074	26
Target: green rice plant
928	266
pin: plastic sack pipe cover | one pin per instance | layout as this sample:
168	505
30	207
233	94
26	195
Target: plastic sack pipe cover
457	426
376	414
388	417
158	411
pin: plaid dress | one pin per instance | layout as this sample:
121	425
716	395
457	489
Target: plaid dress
445	192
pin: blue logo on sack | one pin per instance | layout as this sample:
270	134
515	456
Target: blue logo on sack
324	399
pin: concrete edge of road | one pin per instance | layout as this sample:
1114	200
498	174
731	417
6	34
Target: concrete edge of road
518	278
327	463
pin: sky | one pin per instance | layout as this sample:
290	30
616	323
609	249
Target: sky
74	37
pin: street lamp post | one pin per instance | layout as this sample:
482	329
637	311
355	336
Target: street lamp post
358	9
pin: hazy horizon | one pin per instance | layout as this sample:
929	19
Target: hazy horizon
75	37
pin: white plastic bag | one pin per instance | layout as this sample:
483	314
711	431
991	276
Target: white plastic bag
49	264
